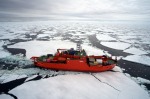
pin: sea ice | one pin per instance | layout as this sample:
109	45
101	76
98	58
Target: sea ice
134	50
4	96
42	35
104	85
117	69
22	76
116	45
141	80
10	78
45	47
1	44
103	37
17	59
4	54
143	59
30	78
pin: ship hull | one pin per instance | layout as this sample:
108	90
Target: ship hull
75	65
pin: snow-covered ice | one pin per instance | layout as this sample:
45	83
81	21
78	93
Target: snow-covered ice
103	37
117	69
143	59
42	35
3	53
1	44
18	59
134	50
30	78
45	47
83	86
22	76
10	78
128	88
24	72
141	80
116	45
4	96
106	85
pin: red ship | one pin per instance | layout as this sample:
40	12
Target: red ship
75	60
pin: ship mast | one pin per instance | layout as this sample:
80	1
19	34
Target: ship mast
78	47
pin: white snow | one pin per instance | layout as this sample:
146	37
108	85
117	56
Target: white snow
9	36
32	77
4	96
91	32
42	35
117	69
114	85
50	32
127	38
141	80
57	38
22	76
18	59
143	59
103	37
4	74
3	77
37	48
10	78
116	45
128	88
33	34
4	54
134	50
78	34
1	44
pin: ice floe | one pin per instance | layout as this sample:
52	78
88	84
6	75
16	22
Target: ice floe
37	48
24	72
5	96
134	50
104	85
30	78
1	44
143	59
103	37
141	80
3	53
117	69
116	45
22	76
113	84
10	78
42	35
17	59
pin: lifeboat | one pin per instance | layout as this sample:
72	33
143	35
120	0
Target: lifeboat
74	60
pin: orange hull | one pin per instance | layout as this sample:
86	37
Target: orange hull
75	65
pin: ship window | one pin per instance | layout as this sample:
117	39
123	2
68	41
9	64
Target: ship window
99	61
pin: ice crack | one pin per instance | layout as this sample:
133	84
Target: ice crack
12	95
105	83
